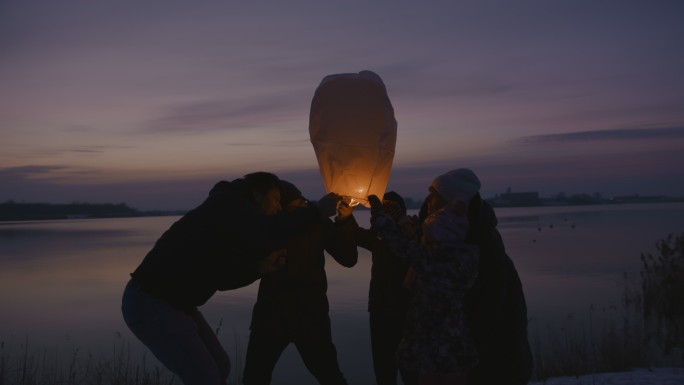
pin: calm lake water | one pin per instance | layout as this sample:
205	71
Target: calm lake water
61	281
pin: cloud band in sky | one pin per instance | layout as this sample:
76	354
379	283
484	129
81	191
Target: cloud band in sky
617	134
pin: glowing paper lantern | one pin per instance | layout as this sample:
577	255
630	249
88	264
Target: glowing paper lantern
353	132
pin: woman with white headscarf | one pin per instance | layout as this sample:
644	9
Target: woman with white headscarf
467	322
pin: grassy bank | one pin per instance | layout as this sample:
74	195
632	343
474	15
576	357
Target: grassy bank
607	340
603	340
20	364
645	330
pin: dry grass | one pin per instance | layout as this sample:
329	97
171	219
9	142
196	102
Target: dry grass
646	331
20	364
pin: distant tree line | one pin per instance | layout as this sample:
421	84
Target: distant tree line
532	198
12	211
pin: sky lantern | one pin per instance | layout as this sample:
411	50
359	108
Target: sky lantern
353	132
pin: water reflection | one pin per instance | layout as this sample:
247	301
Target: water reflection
22	245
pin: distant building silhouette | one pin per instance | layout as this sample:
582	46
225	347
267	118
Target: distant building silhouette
515	199
636	198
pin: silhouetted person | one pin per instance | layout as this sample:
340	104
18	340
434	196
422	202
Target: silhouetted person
292	304
387	296
496	307
227	242
437	346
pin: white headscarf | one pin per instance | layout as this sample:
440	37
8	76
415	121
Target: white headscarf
461	184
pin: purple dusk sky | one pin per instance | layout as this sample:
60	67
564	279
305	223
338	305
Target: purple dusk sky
151	102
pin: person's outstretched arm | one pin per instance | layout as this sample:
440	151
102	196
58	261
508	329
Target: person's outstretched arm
340	240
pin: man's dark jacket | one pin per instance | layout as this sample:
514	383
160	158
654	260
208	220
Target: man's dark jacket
294	298
216	246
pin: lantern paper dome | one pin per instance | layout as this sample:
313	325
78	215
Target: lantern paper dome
353	132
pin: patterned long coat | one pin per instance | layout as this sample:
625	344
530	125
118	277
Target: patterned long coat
436	337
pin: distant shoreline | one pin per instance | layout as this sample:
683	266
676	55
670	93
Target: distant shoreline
11	211
18	212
